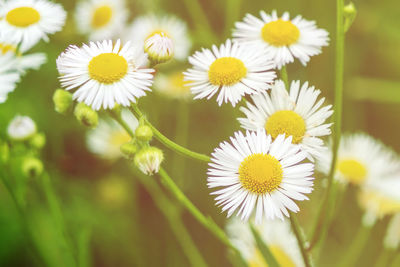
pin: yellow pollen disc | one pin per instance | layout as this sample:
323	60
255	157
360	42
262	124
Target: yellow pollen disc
280	33
5	48
158	32
260	173
179	85
286	122
108	68
23	16
379	203
226	71
352	170
279	254
101	16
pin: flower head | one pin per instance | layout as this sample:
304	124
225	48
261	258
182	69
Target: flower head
159	47
149	160
172	85
283	39
260	176
232	71
105	74
21	128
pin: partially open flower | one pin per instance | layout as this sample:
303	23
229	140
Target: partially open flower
149	159
159	47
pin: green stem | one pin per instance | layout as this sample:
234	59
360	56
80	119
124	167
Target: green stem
284	77
357	245
337	117
232	14
174	220
384	258
263	247
84	247
300	239
167	142
207	222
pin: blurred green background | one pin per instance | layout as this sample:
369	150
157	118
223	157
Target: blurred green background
124	227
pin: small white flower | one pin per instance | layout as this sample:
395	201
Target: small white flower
29	21
9	75
21	128
297	114
172	85
259	175
144	28
232	71
105	140
283	39
276	234
361	160
105	74
101	19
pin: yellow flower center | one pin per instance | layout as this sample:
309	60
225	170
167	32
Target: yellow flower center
179	85
286	122
260	173
108	68
23	16
118	138
101	16
226	71
352	170
158	32
379	203
5	48
280	33
279	254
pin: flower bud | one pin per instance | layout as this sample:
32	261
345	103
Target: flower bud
149	159
143	133
62	100
159	47
38	140
32	167
21	128
86	116
349	12
129	149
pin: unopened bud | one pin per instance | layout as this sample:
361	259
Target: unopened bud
129	149
350	13
159	47
62	100
32	167
38	140
21	128
149	159
85	115
143	133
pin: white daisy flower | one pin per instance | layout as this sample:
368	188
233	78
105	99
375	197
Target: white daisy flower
276	234
101	19
283	39
260	175
361	160
379	198
9	75
233	70
105	74
29	21
392	237
21	128
297	114
172	85
149	28
105	140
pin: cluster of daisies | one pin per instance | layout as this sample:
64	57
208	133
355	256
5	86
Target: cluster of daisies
23	23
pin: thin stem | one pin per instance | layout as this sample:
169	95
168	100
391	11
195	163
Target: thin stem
284	77
263	247
357	245
300	239
84	247
207	222
337	117
167	142
181	136
174	220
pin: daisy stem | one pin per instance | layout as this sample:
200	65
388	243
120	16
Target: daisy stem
357	246
167	142
181	136
322	223
263	247
173	216
207	222
284	77
298	232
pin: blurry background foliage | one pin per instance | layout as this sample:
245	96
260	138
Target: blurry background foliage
102	201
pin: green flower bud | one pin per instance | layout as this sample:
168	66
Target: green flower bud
62	100
32	167
129	149
350	13
149	159
38	140
86	116
144	133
